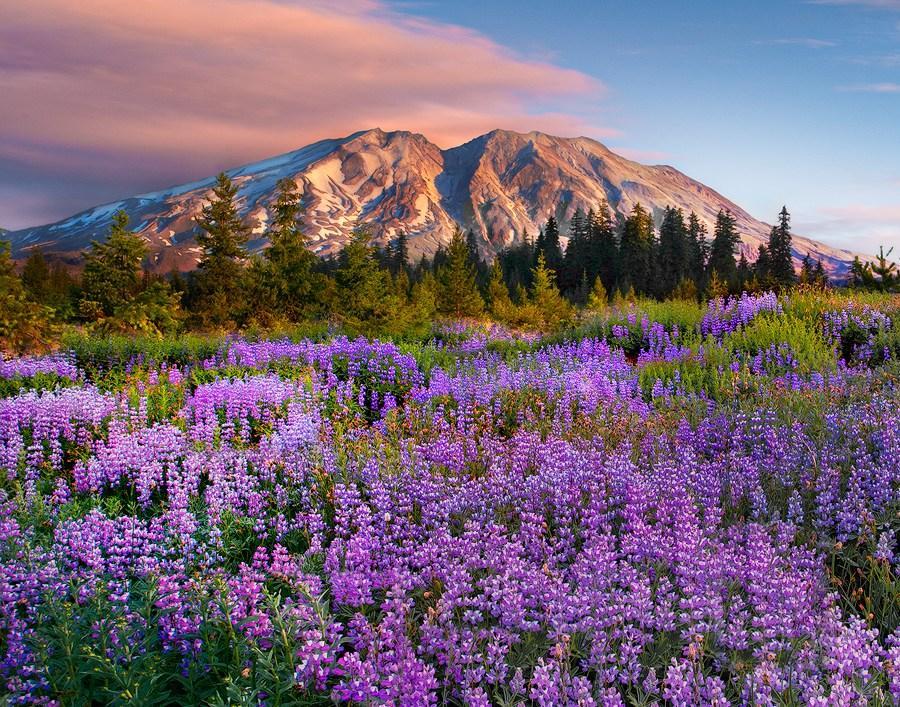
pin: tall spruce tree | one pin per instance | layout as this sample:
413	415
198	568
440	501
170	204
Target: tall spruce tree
547	307
288	279
721	253
697	250
603	250
548	244
576	259
673	251
458	293
368	296
781	266
223	234
636	251
112	270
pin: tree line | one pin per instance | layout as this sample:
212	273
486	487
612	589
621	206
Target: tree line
535	283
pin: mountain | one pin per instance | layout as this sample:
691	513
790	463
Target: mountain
500	184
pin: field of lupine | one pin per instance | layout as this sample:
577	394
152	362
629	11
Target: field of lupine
672	504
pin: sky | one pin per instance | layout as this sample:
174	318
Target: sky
770	102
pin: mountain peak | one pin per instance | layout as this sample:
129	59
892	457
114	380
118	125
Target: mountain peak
501	185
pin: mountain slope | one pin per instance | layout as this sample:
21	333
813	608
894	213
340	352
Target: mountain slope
500	184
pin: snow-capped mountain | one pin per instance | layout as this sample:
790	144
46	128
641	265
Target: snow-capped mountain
501	184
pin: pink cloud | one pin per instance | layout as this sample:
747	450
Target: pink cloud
173	89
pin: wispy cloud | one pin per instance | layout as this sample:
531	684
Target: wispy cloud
859	227
808	42
136	95
885	87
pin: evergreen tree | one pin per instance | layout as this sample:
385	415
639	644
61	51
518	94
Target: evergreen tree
636	251
548	309
458	293
218	279
673	251
598	299
721	254
24	324
762	268
113	276
286	280
499	301
885	271
602	249
781	266
819	277
576	259
744	272
548	245
399	253
806	271
697	249
368	297
36	277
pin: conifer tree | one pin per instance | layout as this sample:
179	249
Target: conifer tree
781	266
636	251
603	249
36	276
112	271
24	324
697	249
399	253
673	251
368	297
458	293
550	310
287	278
548	244
576	259
721	255
598	299
499	301
762	266
218	279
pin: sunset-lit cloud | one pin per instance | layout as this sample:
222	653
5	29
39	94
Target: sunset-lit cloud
110	98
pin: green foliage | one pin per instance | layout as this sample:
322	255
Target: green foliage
636	251
458	293
721	256
598	299
546	309
217	283
24	324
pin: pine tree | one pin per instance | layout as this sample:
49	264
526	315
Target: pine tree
499	301
24	324
721	255
806	271
781	266
218	279
287	279
368	297
603	250
598	299
576	259
399	253
636	251
697	249
113	276
548	245
673	251
549	309
458	293
36	277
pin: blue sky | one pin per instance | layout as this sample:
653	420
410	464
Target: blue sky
766	101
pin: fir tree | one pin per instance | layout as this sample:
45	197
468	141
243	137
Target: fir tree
458	293
369	301
781	266
24	324
598	299
697	249
576	259
112	275
602	249
218	279
636	251
548	308
548	245
499	301
721	254
673	251
762	267
287	278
